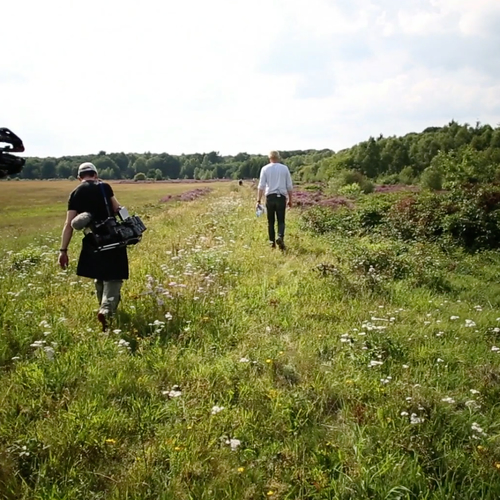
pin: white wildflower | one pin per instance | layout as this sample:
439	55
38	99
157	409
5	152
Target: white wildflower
454	317
448	400
469	323
244	360
476	428
216	409
414	419
234	443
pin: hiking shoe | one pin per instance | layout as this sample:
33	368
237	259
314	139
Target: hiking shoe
101	317
280	243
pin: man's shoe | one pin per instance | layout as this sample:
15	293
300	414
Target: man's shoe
272	244
280	243
103	320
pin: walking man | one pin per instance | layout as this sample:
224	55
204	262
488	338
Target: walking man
108	269
276	183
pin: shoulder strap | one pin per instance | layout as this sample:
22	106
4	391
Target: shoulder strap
101	185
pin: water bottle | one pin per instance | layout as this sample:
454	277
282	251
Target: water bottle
259	210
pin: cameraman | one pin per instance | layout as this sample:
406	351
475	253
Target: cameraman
108	268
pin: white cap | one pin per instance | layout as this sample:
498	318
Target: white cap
86	167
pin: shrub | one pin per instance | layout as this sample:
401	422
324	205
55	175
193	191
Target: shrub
432	178
406	176
140	177
353	189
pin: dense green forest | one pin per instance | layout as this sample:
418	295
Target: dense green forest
387	160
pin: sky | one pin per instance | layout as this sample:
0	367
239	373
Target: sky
242	76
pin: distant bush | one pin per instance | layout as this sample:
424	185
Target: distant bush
468	217
432	178
406	176
140	177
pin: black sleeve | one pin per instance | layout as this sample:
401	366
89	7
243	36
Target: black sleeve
73	202
108	190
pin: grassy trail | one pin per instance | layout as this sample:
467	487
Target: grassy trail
236	371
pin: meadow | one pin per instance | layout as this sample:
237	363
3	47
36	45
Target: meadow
347	367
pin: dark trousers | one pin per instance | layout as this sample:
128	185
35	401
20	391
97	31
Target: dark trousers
276	207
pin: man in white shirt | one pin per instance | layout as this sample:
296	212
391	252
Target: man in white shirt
276	183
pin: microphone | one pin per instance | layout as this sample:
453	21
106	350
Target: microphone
81	221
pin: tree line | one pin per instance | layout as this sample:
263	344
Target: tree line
385	159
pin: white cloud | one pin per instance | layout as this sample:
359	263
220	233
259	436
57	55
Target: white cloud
195	76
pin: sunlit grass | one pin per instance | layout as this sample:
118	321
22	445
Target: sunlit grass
235	371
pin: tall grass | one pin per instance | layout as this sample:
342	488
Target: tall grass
236	371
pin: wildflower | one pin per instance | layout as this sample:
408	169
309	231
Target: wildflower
15	358
474	391
375	363
404	413
110	441
270	493
448	400
414	419
244	360
168	316
49	352
178	448
175	392
439	360
476	428
480	448
269	360
234	443
469	323
241	469
216	409
454	317
405	366
117	331
495	349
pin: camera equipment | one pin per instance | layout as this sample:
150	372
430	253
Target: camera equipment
10	164
115	233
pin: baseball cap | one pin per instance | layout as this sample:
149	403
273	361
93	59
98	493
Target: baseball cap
86	167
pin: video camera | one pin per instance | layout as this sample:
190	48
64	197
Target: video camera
113	232
10	164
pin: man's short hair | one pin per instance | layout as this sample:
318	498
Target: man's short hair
87	168
274	155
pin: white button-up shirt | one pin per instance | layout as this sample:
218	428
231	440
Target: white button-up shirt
276	179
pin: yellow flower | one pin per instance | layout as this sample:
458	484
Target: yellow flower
497	465
189	426
269	360
110	441
270	493
178	448
241	469
281	352
480	448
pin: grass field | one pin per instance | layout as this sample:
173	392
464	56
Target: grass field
237	372
28	205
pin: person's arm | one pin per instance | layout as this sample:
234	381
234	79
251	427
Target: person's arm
261	187
289	188
67	233
115	205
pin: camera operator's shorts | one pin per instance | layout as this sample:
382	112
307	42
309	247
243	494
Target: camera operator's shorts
108	265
